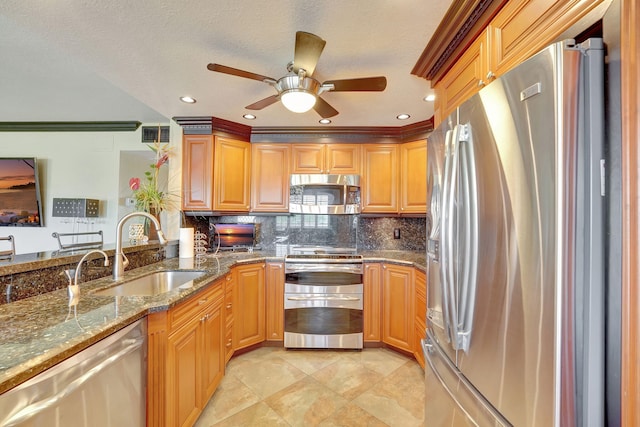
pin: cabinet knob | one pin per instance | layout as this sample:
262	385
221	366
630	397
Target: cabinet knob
228	343
490	75
228	306
481	83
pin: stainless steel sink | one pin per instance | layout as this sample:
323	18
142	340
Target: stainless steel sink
155	283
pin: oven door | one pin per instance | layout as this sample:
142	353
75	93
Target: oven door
323	316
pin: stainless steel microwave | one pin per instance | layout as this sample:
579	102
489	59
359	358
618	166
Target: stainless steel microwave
324	194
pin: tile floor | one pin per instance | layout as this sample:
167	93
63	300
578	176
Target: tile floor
272	386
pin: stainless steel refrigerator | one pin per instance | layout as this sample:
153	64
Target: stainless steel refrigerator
515	249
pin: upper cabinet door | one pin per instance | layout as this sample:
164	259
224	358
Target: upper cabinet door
413	177
379	183
325	158
342	158
270	177
232	170
522	28
197	172
466	77
307	158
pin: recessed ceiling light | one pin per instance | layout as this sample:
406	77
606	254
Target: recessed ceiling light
430	98
402	116
188	99
249	117
324	121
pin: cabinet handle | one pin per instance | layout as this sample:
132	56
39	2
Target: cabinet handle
228	343
202	301
228	306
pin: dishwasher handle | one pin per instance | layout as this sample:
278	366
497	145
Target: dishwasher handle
37	407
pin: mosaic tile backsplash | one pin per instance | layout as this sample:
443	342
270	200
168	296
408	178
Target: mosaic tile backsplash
363	233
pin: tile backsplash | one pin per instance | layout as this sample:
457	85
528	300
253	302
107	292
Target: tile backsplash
363	233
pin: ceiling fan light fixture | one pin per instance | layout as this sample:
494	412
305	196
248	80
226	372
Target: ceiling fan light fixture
298	100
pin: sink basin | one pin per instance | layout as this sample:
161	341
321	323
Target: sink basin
153	284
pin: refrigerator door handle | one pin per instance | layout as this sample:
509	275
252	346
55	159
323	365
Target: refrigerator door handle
445	237
469	231
449	263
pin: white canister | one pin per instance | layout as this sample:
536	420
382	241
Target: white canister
185	243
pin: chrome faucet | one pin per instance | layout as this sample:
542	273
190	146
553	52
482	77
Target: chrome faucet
79	266
73	289
120	261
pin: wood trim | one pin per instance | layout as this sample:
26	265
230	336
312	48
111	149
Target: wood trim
353	134
630	76
460	26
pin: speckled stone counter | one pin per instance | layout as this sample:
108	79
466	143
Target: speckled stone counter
39	332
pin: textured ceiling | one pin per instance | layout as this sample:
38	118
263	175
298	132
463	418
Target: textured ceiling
96	60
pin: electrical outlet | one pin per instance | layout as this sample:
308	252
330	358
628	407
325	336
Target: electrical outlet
396	233
129	201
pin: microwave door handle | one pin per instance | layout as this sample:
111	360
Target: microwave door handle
467	292
444	237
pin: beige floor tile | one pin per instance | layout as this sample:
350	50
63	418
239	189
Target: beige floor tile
348	378
352	415
258	415
380	360
265	378
305	403
273	386
310	361
398	399
231	397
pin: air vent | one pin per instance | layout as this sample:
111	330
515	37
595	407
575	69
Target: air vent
150	134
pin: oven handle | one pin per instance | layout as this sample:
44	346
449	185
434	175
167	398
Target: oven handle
324	298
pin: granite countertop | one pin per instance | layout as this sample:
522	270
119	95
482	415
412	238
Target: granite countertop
39	332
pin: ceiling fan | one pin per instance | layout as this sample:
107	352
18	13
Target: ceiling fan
298	91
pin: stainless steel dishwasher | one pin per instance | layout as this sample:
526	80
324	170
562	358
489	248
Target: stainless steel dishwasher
103	385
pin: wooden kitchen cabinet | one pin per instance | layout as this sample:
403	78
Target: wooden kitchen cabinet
379	181
185	357
270	177
413	177
524	27
197	172
249	305
398	306
420	300
372	305
232	173
466	77
325	158
275	301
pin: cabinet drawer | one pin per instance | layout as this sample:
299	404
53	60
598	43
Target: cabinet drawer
183	313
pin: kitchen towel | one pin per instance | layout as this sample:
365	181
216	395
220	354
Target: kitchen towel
186	243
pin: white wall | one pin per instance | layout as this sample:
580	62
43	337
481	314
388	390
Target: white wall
84	165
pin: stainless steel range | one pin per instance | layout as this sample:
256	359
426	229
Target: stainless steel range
323	301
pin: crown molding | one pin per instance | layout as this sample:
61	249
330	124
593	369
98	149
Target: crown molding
355	134
462	23
69	126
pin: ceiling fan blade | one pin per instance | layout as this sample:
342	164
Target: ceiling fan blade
365	84
263	103
308	50
240	73
323	108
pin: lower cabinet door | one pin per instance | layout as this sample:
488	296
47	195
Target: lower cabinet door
183	376
212	350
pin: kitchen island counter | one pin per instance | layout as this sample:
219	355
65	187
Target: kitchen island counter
39	332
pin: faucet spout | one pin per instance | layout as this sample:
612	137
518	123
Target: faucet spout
79	266
119	259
